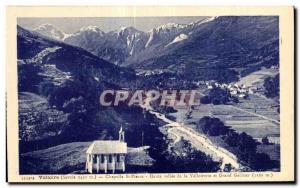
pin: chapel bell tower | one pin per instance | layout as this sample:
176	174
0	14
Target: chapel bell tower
121	135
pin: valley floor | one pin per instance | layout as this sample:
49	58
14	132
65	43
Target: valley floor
177	131
256	116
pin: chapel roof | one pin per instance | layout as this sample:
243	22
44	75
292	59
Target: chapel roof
107	147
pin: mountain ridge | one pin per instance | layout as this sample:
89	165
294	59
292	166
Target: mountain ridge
117	45
243	44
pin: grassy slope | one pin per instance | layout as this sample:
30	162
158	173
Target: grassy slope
70	158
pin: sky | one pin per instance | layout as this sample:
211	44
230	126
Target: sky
71	25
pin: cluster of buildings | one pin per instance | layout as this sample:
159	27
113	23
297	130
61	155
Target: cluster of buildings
236	90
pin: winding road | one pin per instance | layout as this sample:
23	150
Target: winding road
199	141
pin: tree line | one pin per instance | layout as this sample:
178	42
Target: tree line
245	145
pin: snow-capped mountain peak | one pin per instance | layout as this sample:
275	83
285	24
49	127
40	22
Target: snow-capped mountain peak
130	28
51	31
46	26
163	33
171	26
202	21
127	31
91	28
178	38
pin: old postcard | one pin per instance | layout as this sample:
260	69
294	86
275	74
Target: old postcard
150	94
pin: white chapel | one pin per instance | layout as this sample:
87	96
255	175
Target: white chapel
107	156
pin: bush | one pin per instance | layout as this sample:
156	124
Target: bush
246	142
235	99
271	85
260	161
217	96
231	138
205	100
219	93
265	141
212	126
216	101
224	99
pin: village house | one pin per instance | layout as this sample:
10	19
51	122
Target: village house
105	156
240	91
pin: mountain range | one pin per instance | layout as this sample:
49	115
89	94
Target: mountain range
242	44
116	46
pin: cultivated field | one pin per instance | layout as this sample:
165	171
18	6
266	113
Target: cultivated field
256	116
256	78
